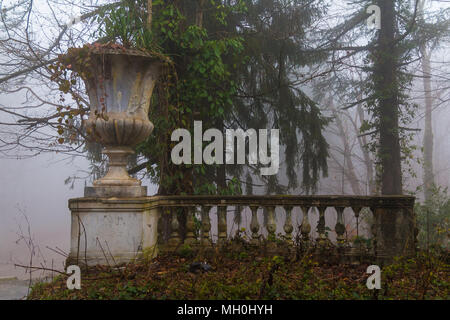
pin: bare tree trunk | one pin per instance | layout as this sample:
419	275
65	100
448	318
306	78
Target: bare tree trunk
368	161
348	166
199	13
149	14
221	173
428	140
428	176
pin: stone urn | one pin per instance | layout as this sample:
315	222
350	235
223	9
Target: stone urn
119	83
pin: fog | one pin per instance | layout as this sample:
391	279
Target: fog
34	189
34	196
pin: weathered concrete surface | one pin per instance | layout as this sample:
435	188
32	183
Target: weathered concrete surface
13	289
111	231
119	84
115	191
395	231
114	230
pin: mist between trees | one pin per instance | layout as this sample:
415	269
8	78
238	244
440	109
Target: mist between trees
359	111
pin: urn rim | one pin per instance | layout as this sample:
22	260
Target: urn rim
112	49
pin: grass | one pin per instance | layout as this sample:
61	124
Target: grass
250	274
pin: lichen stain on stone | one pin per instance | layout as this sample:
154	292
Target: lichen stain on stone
134	102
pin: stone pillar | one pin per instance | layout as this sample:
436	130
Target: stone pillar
112	231
394	231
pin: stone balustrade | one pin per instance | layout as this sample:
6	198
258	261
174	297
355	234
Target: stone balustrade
130	227
389	217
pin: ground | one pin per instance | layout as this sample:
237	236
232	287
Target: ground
251	274
13	289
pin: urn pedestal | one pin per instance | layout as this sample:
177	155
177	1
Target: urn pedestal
112	231
117	182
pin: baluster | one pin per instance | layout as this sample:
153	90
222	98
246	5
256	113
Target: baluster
321	224
375	232
206	226
340	227
222	224
174	239
356	211
373	227
190	226
271	223
163	229
305	227
238	219
288	228
357	251
254	225
160	228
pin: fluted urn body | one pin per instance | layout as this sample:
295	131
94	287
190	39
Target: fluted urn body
119	83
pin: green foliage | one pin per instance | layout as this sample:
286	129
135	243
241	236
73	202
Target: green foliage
200	85
251	275
433	218
243	255
362	242
186	251
226	75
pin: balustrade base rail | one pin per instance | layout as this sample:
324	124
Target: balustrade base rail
329	253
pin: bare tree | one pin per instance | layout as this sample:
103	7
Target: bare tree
36	117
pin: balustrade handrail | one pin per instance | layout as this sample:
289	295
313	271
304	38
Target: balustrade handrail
390	201
346	201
